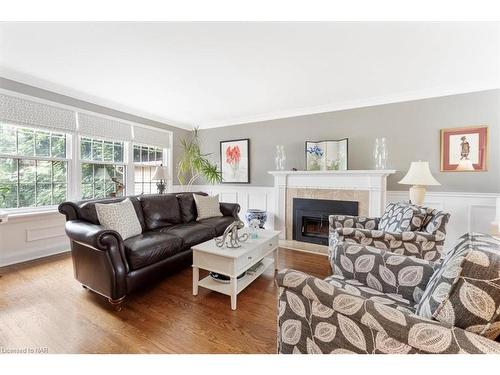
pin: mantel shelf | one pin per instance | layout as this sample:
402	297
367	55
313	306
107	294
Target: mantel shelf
373	172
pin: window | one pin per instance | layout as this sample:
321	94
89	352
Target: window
103	168
33	167
146	158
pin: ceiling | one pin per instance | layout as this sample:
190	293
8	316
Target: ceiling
217	74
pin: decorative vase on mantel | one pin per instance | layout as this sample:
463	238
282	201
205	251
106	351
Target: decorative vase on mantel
380	153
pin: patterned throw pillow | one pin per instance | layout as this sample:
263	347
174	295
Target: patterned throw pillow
120	217
382	270
207	207
402	217
465	291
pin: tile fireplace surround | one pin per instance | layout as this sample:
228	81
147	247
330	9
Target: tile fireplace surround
368	187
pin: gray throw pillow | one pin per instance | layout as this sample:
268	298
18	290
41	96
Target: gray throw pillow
402	217
120	217
207	207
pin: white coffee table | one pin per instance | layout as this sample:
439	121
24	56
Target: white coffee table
233	262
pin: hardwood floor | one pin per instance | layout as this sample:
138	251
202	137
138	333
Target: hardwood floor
42	307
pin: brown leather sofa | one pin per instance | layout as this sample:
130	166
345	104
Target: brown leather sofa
112	267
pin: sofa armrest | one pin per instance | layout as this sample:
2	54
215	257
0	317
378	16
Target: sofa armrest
316	317
92	235
100	239
230	209
418	244
347	221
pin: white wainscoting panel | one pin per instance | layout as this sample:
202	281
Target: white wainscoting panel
28	237
247	196
470	212
25	238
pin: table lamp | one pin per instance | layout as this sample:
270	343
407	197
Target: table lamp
161	174
419	175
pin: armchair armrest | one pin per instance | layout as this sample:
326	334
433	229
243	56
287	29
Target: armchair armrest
230	209
316	317
418	244
347	221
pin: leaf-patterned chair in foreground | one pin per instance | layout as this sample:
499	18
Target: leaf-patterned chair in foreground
403	229
388	303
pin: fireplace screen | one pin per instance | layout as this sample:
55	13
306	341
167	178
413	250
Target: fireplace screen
310	218
314	226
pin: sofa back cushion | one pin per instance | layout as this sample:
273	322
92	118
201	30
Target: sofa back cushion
188	206
402	217
160	210
465	290
87	211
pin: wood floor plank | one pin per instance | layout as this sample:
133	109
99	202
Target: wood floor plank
42	306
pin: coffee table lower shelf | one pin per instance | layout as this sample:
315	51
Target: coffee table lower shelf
241	284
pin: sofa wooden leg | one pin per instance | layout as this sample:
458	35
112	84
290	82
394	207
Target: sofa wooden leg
116	303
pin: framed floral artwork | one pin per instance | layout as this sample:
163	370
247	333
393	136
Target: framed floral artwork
327	155
235	161
464	149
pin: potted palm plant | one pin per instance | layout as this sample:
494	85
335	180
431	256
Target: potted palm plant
193	164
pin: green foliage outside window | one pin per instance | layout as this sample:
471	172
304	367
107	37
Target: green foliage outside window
24	180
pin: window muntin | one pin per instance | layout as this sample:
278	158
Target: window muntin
101	162
33	167
146	159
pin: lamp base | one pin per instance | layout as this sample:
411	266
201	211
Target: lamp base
417	194
161	187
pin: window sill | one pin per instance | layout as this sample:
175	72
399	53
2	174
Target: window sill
25	213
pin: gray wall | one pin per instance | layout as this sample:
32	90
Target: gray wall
22	88
412	130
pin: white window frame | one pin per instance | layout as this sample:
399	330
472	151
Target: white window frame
74	162
67	159
125	163
164	157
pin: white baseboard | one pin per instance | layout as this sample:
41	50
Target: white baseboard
32	254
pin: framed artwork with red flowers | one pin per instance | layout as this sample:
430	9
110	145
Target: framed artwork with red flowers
464	149
235	161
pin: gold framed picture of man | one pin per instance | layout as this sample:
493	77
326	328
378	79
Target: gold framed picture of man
464	149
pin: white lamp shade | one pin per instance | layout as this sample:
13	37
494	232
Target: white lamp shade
161	173
419	174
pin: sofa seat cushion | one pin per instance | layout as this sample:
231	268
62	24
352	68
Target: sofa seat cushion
465	290
219	223
191	233
151	247
357	288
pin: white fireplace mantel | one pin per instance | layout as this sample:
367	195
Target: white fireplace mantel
373	181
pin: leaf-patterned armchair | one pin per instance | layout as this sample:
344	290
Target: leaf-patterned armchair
403	229
380	302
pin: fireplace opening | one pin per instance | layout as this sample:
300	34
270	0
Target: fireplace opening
310	218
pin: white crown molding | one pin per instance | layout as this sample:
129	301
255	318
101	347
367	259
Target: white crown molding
74	94
435	92
361	103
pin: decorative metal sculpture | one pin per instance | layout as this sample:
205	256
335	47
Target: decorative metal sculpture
231	238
